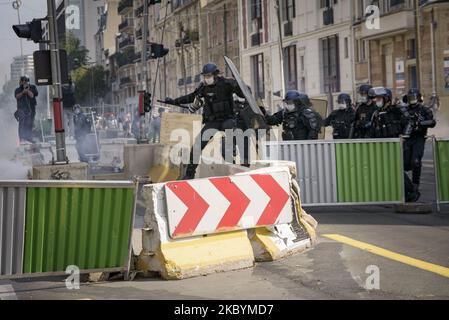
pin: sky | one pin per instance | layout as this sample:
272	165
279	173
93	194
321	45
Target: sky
9	42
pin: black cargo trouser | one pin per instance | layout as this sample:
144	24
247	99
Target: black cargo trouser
413	154
212	125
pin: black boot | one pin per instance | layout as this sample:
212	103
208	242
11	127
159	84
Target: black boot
189	174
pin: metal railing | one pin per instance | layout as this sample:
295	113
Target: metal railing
344	172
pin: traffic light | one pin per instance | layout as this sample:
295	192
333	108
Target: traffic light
157	51
31	30
147	102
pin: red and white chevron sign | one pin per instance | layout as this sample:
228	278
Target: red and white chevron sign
206	206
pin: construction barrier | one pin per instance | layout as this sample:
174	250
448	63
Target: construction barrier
201	226
47	226
441	163
344	172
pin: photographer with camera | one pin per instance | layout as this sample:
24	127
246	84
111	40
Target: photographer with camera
26	109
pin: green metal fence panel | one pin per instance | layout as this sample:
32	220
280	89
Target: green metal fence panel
370	171
442	163
84	226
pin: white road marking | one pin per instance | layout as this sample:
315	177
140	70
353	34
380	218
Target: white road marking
7	292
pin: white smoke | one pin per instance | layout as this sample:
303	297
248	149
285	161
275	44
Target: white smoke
10	166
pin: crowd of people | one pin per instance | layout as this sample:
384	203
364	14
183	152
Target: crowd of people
376	114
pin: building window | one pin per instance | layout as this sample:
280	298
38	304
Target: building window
346	48
255	22
290	68
330	64
288	10
411	49
413	77
327	3
257	73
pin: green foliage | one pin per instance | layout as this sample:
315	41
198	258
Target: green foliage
90	83
77	55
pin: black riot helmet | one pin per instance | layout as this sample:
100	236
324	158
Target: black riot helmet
363	93
344	98
414	96
379	92
364	88
389	94
210	69
298	98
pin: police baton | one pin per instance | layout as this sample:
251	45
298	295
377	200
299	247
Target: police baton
173	104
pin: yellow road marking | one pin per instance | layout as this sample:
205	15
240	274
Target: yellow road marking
443	271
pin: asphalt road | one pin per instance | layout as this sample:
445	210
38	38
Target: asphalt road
410	254
331	270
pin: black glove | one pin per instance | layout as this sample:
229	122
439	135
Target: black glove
169	101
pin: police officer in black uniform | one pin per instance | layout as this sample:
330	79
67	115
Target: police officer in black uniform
421	119
216	94
243	121
299	120
341	119
389	120
364	112
82	127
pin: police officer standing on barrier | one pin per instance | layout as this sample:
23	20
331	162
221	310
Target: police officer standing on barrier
364	112
341	119
389	120
216	93
421	119
299	120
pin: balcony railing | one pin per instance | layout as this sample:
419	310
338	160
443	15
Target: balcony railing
125	58
125	80
256	39
123	5
123	25
328	16
288	28
125	43
139	11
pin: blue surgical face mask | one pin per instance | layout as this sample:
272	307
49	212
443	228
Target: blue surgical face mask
379	104
362	99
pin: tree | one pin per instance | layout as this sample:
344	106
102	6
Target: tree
90	84
77	55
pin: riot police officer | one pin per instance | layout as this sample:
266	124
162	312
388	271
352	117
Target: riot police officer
82	127
216	94
341	119
389	120
364	112
299	120
421	119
